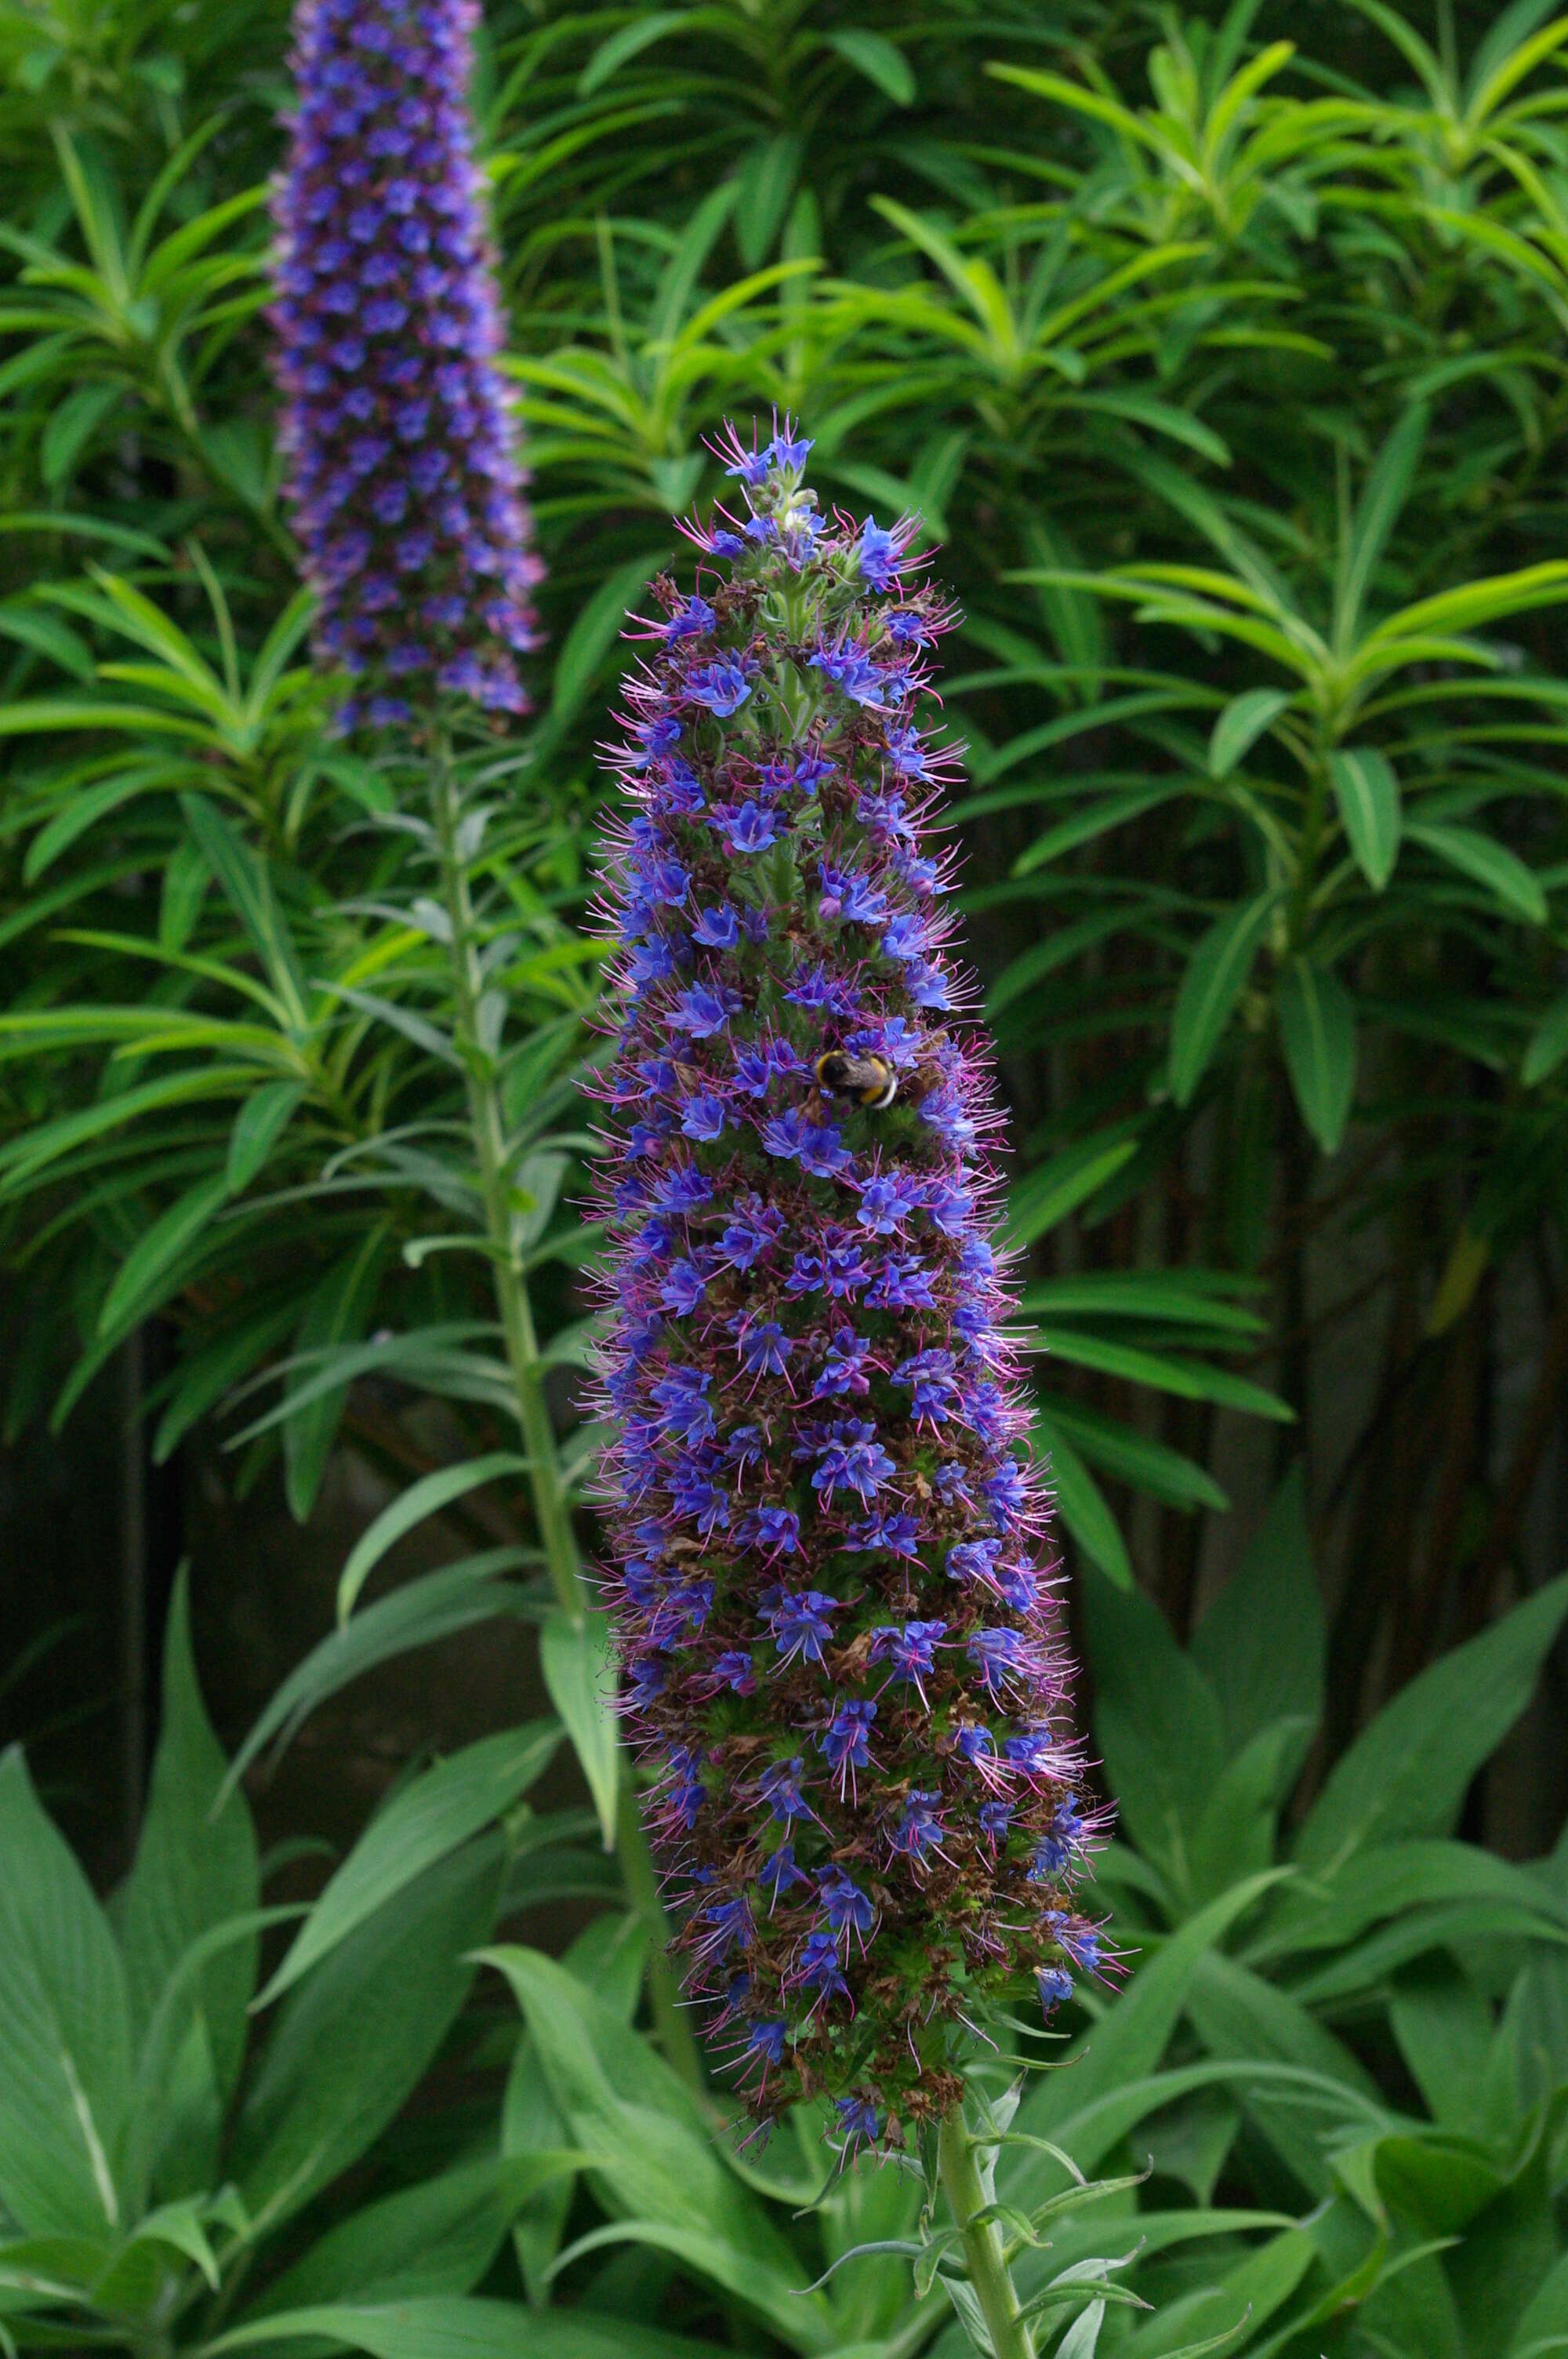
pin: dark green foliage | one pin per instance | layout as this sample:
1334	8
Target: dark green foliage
1223	352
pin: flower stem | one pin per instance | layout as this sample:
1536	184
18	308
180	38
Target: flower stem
552	1507
983	2248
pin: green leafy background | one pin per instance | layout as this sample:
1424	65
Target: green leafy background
1222	352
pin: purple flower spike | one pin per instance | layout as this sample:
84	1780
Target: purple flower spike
402	467
832	1548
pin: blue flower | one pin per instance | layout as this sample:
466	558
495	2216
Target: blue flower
847	1908
717	930
844	1742
704	1117
858	2119
692	621
764	1349
1055	1985
702	1010
854	1458
751	829
819	1969
779	1787
778	1872
803	1625
877	553
722	687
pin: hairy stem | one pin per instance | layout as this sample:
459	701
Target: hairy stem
983	2248
552	1507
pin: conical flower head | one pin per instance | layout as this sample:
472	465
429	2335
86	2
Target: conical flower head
835	1594
402	469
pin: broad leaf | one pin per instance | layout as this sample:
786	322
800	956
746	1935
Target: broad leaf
339	1308
1317	1031
65	2032
1240	725
1262	1642
1368	794
434	1606
1216	978
426	1497
438	2236
1502	871
450	2328
196	1866
356	2036
422	1823
658	2170
1157	1720
579	1663
1407	1773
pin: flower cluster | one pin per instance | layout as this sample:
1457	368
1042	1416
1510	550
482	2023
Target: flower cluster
403	473
837	1623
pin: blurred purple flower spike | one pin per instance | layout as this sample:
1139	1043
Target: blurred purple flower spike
402	470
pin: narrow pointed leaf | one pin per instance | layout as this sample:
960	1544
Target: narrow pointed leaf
1368	794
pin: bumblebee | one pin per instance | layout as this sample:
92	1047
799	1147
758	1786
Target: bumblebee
869	1080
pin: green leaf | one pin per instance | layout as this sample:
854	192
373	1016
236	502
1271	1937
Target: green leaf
874	56
356	2036
340	1308
1240	725
1317	1030
1137	1458
426	1497
1399	1880
767	183
1262	1644
1086	2109
660	2172
1383	497
578	1659
1192	1298
1444	2029
71	426
1046	1197
1236	2014
153	1267
1544	2323
1082	1504
196	1866
1548	1044
416	1614
65	2033
628	43
438	2236
1407	1773
1216	978
1476	856
247	883
1165	1372
1157	1721
422	1823
1368	793
450	2328
35	627
259	1125
597	626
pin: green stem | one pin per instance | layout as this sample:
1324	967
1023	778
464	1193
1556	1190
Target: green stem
983	2248
1311	838
552	1508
